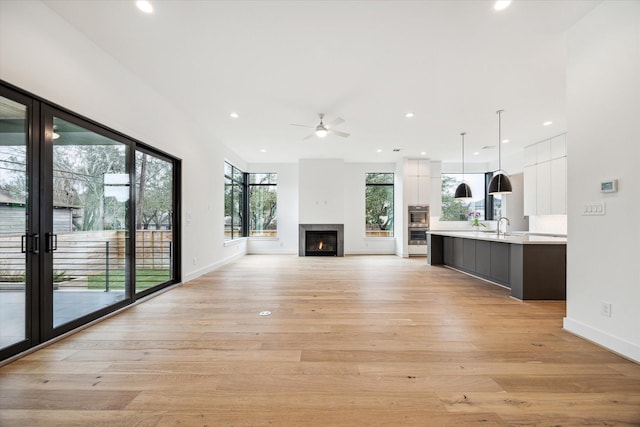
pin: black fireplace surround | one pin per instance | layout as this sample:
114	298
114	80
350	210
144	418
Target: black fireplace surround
321	240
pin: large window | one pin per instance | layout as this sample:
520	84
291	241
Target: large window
482	205
379	205
234	202
154	220
263	204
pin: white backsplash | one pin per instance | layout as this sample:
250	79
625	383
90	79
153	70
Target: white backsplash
555	224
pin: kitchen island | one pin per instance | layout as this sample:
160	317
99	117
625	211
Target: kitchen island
534	267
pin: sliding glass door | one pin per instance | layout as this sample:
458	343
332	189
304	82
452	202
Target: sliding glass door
88	213
18	236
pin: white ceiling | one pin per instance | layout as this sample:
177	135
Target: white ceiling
453	63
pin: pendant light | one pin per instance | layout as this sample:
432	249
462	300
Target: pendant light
463	191
500	183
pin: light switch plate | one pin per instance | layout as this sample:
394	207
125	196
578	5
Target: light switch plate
594	209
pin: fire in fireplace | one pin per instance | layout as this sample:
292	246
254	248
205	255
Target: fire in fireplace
321	243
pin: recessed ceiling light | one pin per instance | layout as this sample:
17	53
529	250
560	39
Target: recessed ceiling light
505	141
55	135
234	115
501	4
379	150
547	123
263	150
475	153
145	6
424	153
409	115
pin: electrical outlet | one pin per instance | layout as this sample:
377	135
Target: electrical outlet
605	309
195	261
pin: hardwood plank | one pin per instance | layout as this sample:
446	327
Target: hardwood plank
362	340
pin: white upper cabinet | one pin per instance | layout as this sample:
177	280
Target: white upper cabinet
543	150
559	146
545	177
417	182
530	155
530	196
558	173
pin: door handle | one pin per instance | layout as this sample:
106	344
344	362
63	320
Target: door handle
29	245
51	242
36	244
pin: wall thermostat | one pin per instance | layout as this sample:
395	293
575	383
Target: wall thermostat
609	186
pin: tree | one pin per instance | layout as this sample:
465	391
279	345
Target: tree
263	203
452	209
379	201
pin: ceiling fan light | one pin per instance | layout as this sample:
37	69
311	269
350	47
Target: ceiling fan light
463	191
500	184
321	133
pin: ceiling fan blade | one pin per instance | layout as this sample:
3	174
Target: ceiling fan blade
303	126
337	132
335	122
309	136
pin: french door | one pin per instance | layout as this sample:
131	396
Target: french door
89	220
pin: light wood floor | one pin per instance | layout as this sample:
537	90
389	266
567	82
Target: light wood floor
354	341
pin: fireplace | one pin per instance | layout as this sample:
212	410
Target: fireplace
321	240
321	243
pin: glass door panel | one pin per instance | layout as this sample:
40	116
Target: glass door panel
90	208
15	238
154	221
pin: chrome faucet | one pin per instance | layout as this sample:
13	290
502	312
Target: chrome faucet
498	225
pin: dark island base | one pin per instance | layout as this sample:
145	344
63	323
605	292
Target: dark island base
531	271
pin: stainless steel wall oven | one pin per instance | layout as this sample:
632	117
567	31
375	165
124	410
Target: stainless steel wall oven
418	224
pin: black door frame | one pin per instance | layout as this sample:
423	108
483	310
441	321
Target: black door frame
39	263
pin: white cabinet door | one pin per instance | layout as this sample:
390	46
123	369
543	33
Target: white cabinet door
559	186
559	146
530	183
530	155
411	190
543	151
412	167
423	167
543	188
424	184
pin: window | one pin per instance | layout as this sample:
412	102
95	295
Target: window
154	220
458	210
379	205
263	204
234	205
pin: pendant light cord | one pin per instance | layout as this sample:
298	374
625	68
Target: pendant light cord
463	134
499	139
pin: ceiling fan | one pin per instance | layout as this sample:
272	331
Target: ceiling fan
322	130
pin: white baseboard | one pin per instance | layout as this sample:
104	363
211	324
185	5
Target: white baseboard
617	345
271	252
207	268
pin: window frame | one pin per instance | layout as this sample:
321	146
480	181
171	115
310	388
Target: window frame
236	178
391	229
249	192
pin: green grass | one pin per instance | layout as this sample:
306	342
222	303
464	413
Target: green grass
144	279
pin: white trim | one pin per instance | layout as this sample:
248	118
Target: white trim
617	345
234	241
208	268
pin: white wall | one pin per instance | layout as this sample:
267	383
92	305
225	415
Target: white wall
603	105
287	240
321	191
43	54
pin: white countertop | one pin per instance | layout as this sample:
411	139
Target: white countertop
518	239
